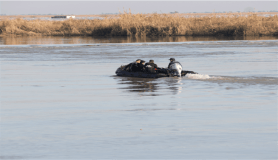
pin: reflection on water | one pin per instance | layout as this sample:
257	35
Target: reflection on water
134	84
174	84
149	86
26	40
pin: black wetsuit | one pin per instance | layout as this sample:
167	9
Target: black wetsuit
150	67
141	67
137	67
128	67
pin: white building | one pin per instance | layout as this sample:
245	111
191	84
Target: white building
63	17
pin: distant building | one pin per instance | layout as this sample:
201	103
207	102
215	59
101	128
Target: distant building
174	12
63	17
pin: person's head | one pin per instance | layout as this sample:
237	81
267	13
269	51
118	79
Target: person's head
172	59
151	61
142	62
138	60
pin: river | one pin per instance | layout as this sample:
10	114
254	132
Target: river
61	99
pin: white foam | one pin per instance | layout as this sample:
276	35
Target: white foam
197	76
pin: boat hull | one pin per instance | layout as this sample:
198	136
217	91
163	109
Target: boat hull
123	73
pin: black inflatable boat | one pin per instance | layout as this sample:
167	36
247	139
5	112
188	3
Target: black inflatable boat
121	71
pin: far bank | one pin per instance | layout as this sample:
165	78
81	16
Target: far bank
148	25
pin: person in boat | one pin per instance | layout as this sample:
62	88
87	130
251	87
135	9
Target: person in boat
172	61
151	66
130	65
142	66
137	66
175	67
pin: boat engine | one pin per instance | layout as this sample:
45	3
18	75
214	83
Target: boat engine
175	69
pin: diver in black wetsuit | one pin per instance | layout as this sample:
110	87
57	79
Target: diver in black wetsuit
130	65
142	66
151	66
137	66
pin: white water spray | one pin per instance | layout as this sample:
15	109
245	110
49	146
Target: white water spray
198	76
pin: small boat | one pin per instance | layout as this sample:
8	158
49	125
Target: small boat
160	72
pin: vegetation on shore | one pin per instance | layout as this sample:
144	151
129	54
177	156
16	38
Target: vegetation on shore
146	25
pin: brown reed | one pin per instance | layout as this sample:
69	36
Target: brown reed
128	24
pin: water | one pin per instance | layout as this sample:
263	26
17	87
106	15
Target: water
61	101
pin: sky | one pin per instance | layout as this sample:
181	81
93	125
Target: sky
101	7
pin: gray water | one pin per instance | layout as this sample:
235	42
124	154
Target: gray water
64	101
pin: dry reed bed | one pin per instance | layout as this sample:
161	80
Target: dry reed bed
146	25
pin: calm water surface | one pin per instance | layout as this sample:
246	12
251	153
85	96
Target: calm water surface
63	100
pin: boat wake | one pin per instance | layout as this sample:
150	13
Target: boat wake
197	76
243	80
